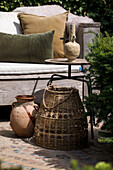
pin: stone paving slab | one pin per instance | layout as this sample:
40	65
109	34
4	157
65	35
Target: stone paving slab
15	151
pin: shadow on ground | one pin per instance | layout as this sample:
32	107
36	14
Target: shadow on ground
5	112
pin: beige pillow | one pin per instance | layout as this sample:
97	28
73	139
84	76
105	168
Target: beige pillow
40	24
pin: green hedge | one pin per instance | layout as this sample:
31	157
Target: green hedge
99	76
101	10
98	166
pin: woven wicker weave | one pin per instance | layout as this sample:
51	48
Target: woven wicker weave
60	123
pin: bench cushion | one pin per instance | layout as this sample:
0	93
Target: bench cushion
9	23
39	24
33	48
27	68
50	10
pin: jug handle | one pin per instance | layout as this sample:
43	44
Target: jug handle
13	104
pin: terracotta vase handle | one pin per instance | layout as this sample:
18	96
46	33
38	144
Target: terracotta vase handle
14	104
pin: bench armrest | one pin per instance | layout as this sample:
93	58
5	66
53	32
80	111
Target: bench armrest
84	35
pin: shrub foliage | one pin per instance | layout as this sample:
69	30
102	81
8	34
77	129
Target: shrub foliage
100	76
98	166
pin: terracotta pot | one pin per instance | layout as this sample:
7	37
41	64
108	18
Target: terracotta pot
23	115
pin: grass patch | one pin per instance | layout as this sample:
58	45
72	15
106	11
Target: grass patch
105	140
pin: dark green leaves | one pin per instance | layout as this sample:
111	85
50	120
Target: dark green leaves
100	75
101	10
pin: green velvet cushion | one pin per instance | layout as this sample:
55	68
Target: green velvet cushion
32	48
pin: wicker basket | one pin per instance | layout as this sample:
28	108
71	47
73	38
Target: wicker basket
60	123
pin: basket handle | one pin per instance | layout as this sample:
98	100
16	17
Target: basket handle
44	103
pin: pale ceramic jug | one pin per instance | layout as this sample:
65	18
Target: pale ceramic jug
22	117
72	48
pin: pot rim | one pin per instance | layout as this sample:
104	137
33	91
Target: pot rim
28	97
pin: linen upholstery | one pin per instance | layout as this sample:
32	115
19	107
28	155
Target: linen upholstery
33	68
50	10
9	23
39	24
33	48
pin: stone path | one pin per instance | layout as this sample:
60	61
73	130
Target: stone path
16	151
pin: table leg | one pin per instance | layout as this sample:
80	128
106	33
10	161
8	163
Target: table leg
69	71
91	111
56	75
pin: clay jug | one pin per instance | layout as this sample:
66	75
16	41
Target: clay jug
23	114
72	48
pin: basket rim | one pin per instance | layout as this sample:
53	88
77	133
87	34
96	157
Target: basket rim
58	90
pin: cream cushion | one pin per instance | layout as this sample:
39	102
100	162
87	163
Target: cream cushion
50	10
28	68
9	23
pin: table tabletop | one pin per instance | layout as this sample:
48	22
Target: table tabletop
64	61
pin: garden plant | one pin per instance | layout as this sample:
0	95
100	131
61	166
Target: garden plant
99	77
98	166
